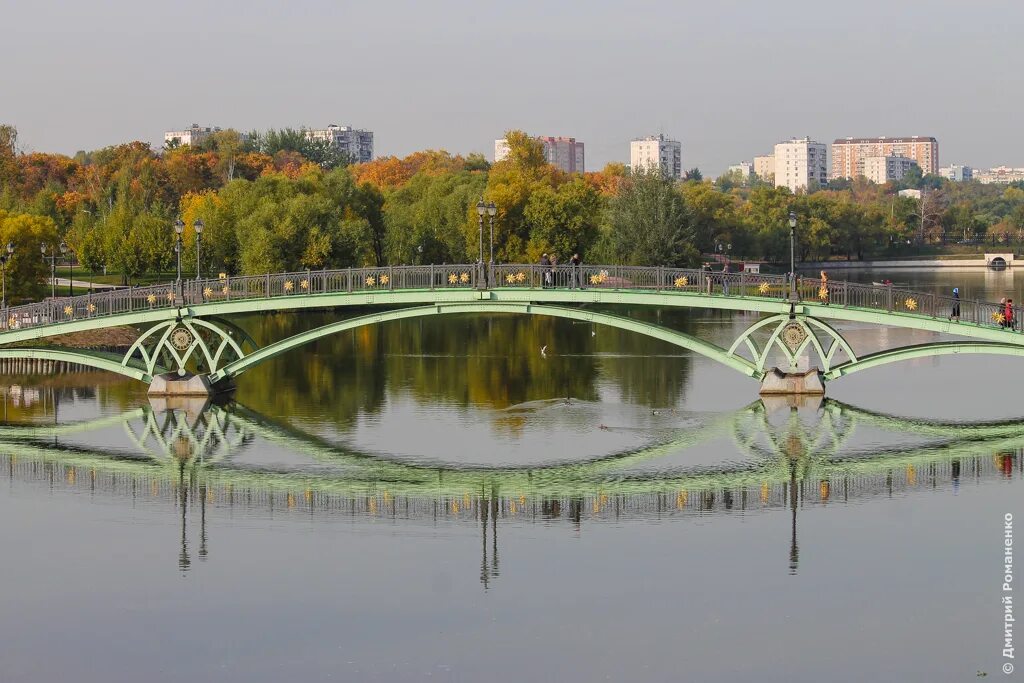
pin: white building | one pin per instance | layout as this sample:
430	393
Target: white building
1000	174
565	153
957	173
190	136
358	144
744	169
801	163
881	170
764	167
657	151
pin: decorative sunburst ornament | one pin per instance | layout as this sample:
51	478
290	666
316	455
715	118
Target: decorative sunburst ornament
464	278
289	285
370	281
520	277
510	278
911	304
151	299
170	296
207	292
12	322
91	308
453	278
384	279
304	284
68	311
681	281
595	279
998	317
823	293
224	290
764	288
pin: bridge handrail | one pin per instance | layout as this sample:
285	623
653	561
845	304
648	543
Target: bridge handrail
484	276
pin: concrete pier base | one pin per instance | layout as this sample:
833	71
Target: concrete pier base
172	384
777	382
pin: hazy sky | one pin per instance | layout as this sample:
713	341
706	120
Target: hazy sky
728	79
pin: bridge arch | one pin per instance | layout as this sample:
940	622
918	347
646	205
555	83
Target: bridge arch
680	339
93	359
922	351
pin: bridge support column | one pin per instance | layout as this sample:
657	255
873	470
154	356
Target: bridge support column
173	384
777	382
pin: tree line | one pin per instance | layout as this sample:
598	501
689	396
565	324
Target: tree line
278	201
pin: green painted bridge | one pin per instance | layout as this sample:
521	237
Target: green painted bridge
188	344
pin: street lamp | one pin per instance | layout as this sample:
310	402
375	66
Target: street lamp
71	268
198	225
5	256
792	255
481	209
179	227
53	268
491	211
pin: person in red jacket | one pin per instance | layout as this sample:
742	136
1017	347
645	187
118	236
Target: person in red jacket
1008	314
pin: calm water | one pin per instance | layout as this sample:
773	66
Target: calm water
439	500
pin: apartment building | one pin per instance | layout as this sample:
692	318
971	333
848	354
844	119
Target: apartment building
801	164
849	154
657	151
192	136
764	167
358	144
882	170
565	153
957	173
744	169
1000	175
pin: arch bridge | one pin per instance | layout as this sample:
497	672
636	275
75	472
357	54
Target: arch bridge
187	343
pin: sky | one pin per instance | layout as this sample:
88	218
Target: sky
728	79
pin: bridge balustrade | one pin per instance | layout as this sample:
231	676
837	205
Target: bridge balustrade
482	276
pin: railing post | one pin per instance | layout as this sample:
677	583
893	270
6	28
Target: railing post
889	298
131	299
391	278
846	293
743	283
431	277
348	280
660	274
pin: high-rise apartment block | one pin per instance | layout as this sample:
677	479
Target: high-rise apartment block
657	151
357	144
849	154
565	153
764	167
957	173
882	170
744	170
191	136
1000	174
801	164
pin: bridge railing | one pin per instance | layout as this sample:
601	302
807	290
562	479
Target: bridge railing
482	276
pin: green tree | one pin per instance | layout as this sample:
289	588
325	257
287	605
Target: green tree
649	223
27	273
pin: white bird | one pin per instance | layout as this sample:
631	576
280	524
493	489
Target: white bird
544	351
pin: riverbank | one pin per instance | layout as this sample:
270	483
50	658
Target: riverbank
981	263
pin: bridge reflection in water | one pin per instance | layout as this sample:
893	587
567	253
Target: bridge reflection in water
799	453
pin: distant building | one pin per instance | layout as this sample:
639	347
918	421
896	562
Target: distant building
764	167
1000	175
882	170
357	144
657	151
191	136
801	163
849	154
913	194
956	173
565	153
745	169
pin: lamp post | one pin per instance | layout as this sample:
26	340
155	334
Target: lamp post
5	256
198	225
64	252
792	256
481	209
179	227
491	211
53	268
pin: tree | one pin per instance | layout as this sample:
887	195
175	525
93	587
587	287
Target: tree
649	223
27	273
693	174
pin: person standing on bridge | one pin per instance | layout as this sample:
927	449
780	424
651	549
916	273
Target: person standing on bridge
545	270
725	278
706	272
576	272
1008	315
954	315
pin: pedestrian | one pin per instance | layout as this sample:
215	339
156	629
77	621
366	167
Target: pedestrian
954	314
706	270
1008	314
725	278
576	274
545	270
554	270
823	289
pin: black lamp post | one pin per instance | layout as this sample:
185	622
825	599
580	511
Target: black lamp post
5	256
179	227
792	256
53	268
491	211
198	225
481	209
64	251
